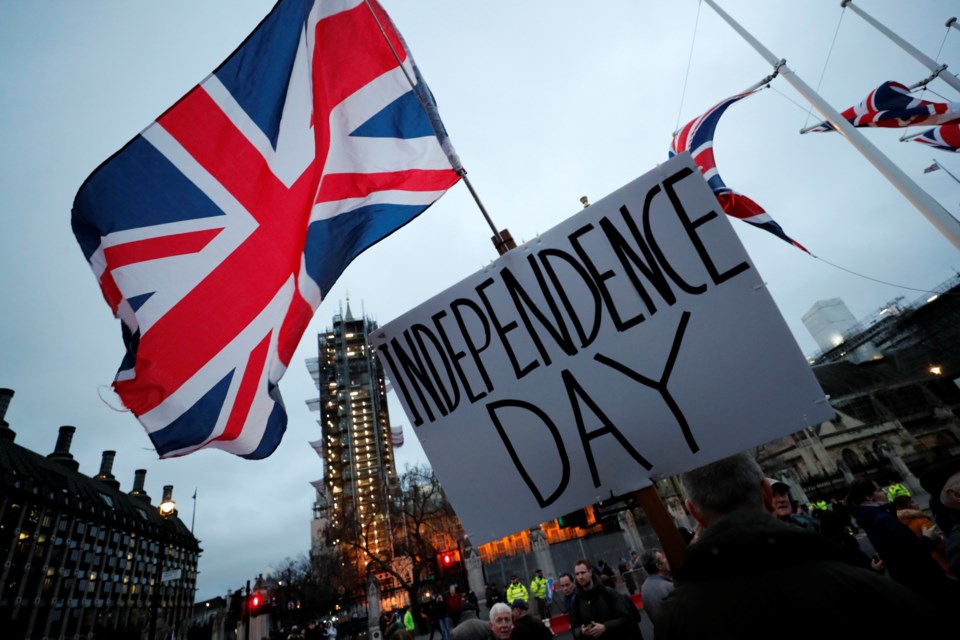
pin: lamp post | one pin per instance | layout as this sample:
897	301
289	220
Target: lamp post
166	509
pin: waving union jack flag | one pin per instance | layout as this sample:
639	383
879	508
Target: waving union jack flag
697	137
891	105
216	231
945	137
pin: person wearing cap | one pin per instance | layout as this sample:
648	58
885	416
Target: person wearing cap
525	626
942	482
783	507
516	590
471	627
538	587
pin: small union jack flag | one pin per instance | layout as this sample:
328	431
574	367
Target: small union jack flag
216	232
891	105
945	137
697	137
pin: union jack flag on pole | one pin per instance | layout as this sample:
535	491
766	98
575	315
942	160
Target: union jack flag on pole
891	105
945	137
697	137
216	232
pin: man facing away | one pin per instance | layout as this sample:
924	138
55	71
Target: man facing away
751	576
525	626
659	582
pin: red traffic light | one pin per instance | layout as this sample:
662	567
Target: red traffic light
447	558
255	600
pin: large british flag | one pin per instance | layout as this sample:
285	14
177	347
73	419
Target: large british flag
945	137
891	105
697	137
216	232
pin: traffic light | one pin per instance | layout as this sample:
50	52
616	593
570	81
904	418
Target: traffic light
576	518
448	561
257	604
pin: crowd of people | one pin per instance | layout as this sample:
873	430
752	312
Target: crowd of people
758	565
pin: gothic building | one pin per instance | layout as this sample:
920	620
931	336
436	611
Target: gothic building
81	558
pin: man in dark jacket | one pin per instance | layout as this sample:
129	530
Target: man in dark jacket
598	612
905	555
748	575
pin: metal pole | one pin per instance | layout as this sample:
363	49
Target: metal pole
947	171
930	208
246	614
155	604
918	55
952	22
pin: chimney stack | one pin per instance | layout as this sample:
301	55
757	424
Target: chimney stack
106	470
62	453
6	433
138	478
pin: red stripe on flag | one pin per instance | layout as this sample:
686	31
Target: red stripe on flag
340	186
247	391
155	248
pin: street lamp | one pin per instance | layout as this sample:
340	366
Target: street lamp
166	509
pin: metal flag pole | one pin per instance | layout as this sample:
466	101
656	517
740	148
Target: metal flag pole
937	69
947	171
939	217
952	22
502	240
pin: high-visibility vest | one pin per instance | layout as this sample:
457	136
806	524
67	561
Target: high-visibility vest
515	591
538	586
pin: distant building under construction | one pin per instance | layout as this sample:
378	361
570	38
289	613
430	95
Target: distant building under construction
356	443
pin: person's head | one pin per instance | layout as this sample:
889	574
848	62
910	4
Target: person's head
469	610
724	487
902	502
453	589
501	621
583	572
864	490
566	584
950	496
780	498
655	562
538	573
519	607
513	579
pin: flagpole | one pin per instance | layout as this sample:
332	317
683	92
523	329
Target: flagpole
929	207
937	69
955	179
503	241
193	518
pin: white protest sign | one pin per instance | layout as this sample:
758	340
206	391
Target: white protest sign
633	340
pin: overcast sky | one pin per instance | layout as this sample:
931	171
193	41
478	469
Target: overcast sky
544	101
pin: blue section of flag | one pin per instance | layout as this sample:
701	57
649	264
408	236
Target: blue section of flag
341	239
138	187
195	424
258	73
403	118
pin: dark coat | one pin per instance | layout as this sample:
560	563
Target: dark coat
906	556
600	604
752	576
530	628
